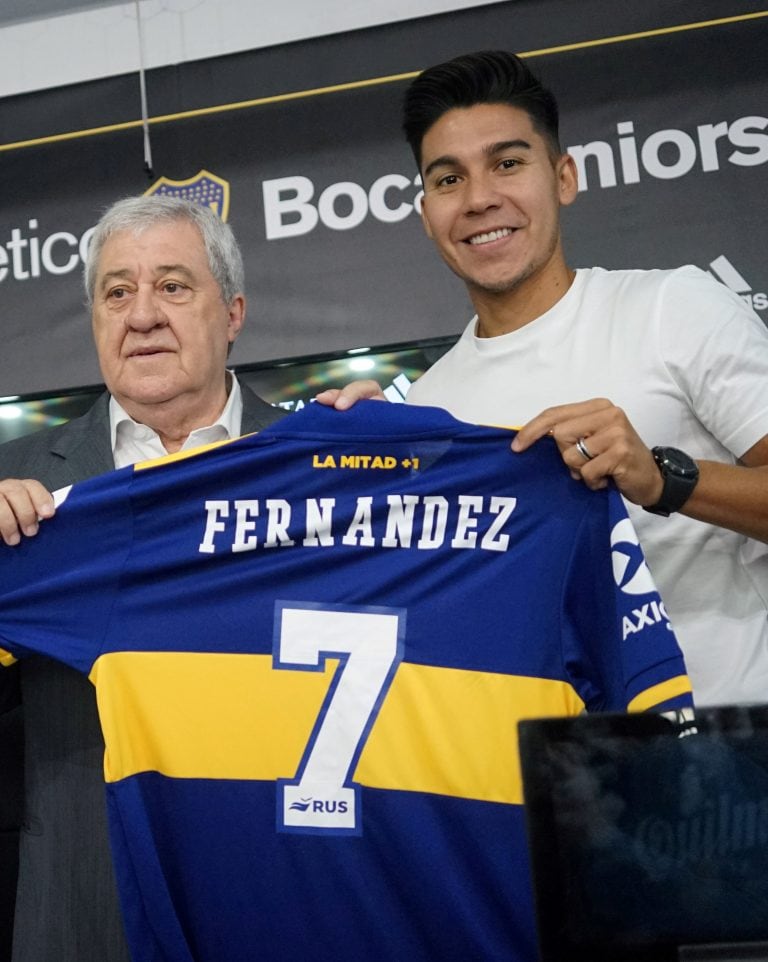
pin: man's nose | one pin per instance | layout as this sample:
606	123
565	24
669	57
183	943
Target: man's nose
145	311
481	194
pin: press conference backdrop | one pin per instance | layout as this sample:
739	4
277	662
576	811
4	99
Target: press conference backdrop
664	108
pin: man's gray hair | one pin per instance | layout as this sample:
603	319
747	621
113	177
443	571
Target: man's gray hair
136	214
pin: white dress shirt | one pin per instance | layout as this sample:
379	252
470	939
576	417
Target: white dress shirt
132	441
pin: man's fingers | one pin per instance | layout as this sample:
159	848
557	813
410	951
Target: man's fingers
23	503
597	441
565	422
328	397
344	398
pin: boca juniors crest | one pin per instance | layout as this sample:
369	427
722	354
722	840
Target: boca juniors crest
204	188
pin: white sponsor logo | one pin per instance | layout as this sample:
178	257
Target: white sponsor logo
398	389
630	572
669	154
724	271
27	256
290	208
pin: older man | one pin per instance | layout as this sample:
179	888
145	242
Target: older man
165	281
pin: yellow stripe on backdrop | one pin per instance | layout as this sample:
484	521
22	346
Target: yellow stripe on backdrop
233	716
369	82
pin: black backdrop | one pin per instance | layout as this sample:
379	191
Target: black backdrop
668	125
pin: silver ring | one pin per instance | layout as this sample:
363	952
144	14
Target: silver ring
584	450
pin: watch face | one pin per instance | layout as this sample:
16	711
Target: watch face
680	474
676	462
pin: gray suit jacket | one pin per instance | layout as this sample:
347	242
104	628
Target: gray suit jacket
66	905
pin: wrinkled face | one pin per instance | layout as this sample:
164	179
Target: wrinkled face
492	195
161	328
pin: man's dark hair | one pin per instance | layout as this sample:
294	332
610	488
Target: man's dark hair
487	77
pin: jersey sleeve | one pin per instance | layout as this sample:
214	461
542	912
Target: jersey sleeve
57	588
620	648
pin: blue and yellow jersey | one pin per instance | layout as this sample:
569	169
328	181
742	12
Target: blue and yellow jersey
311	648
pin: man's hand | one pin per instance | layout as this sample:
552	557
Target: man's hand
343	398
23	504
597	442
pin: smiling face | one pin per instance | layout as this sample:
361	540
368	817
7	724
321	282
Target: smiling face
492	195
161	328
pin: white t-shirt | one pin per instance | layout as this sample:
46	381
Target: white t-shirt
688	362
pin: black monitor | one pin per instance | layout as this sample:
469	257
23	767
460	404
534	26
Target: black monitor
289	382
648	837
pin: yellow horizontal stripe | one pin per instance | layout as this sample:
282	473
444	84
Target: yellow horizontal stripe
6	658
658	694
454	732
229	716
645	34
360	84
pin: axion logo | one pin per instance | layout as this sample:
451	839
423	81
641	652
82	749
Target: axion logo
724	271
630	571
631	574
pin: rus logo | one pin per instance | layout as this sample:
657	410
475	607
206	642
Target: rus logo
204	188
319	805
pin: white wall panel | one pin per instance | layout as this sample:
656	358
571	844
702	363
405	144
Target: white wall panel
93	43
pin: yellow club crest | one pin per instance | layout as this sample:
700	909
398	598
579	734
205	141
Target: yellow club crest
204	188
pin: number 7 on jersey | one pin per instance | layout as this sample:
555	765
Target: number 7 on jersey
368	641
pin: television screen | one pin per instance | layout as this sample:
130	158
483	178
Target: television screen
290	383
649	837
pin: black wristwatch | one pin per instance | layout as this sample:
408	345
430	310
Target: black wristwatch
680	473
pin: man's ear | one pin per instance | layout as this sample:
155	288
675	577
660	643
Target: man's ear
568	179
236	317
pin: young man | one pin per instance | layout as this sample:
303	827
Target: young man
165	281
656	380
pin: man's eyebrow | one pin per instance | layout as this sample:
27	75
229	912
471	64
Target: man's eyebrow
502	145
162	269
448	160
125	273
121	274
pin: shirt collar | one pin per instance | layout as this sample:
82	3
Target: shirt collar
226	426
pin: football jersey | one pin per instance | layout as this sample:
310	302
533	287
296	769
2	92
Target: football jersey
311	648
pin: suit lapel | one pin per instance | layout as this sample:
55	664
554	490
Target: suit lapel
85	443
257	414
